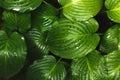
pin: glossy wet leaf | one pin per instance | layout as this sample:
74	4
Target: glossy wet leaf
46	69
113	10
113	65
80	10
37	39
20	5
16	21
12	54
111	39
71	39
44	16
89	67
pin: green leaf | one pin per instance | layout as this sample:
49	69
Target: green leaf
12	54
46	69
71	39
20	5
44	16
111	39
113	65
80	10
37	39
113	10
16	21
90	67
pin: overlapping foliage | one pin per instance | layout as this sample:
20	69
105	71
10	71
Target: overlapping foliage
59	40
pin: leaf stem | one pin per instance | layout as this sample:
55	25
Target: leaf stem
45	2
53	68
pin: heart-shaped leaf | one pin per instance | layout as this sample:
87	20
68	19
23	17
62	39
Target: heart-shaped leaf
20	5
90	67
111	39
80	9
46	69
44	16
71	39
16	21
113	10
113	65
12	54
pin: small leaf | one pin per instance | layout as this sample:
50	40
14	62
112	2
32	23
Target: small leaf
44	16
20	5
46	69
12	54
111	39
71	39
113	65
113	10
90	67
80	10
16	21
37	39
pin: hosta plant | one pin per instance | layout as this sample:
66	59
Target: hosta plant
59	40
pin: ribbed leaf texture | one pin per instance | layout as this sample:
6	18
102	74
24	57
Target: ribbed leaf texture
113	10
46	69
12	54
71	39
90	67
44	16
14	21
80	10
113	65
37	39
20	5
111	39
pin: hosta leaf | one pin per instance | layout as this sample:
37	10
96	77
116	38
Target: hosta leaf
113	10
37	39
46	69
113	65
44	16
16	21
111	39
20	5
71	39
90	67
12	54
80	9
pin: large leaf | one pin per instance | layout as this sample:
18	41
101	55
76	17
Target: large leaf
111	39
12	54
37	40
90	67
71	39
80	9
16	21
113	10
46	69
20	5
44	16
113	65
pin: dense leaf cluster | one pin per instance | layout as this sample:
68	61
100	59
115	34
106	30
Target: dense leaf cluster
59	40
